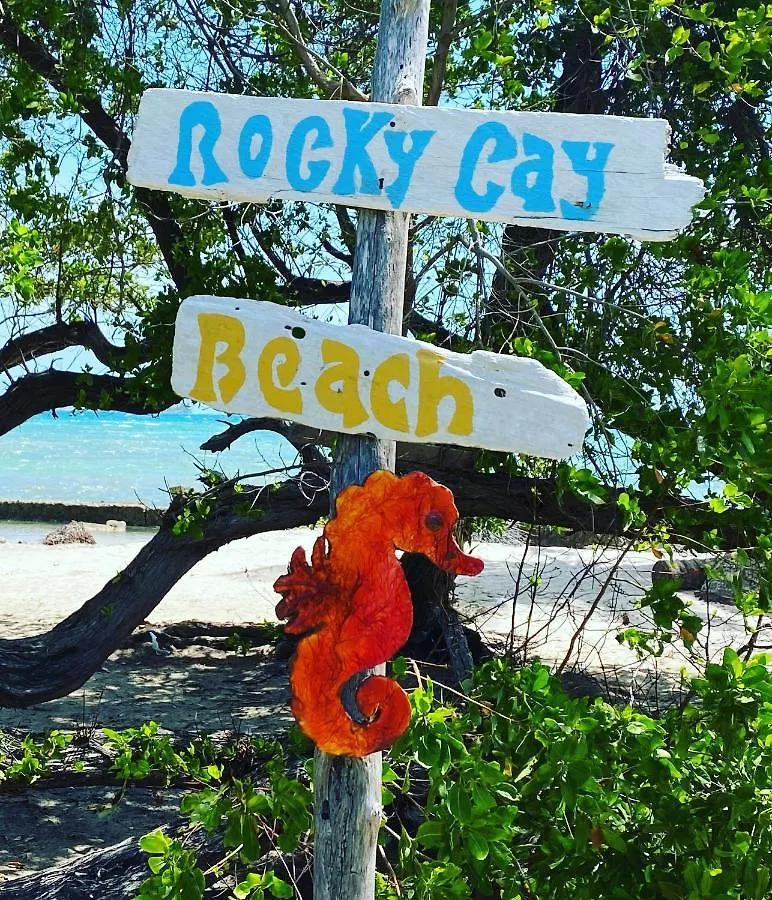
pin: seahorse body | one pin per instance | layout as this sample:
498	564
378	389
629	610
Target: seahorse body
352	607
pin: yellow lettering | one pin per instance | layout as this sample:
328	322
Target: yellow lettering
337	388
432	389
280	396
215	329
391	413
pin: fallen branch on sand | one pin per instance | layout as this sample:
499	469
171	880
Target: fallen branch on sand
54	663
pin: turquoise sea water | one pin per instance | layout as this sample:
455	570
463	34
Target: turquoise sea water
116	457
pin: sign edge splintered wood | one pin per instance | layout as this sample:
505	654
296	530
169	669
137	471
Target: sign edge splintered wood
233	354
560	171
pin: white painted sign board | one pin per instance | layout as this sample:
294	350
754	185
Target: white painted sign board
548	170
262	359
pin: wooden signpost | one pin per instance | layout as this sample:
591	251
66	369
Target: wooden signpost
547	170
391	158
263	359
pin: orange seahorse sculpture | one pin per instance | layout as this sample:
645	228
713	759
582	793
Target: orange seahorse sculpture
352	607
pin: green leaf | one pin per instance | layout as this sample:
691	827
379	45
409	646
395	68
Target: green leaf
156	863
399	667
681	34
431	834
614	839
155	842
244	888
732	661
278	887
477	844
541	680
190	885
482	40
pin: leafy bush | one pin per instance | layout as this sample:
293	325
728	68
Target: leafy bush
523	792
143	751
30	761
253	820
534	794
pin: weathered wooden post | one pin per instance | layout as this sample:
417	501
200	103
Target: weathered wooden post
347	790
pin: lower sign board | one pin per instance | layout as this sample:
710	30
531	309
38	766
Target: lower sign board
547	170
261	359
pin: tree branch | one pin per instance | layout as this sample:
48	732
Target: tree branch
335	88
156	206
348	231
317	291
271	254
39	392
51	665
343	255
529	500
419	324
533	501
229	218
440	63
305	440
53	338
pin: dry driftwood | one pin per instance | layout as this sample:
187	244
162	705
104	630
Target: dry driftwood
116	872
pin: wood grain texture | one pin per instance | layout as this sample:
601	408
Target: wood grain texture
347	818
393	387
548	170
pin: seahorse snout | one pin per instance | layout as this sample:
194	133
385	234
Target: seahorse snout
459	563
455	560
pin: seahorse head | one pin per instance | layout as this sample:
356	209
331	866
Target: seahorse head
417	514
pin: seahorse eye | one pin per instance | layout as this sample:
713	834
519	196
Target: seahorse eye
434	521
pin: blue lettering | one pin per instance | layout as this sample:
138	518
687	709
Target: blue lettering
254	166
505	147
204	113
592	169
296	146
361	128
405	160
532	179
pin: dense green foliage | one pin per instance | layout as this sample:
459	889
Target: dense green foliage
521	791
32	758
516	791
534	794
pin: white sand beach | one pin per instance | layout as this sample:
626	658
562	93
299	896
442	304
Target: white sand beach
547	593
